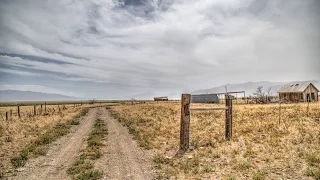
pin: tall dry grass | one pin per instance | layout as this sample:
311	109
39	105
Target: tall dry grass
18	133
261	147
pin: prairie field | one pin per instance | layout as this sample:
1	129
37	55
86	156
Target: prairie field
18	133
263	146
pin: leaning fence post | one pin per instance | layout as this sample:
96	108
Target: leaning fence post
228	125
19	112
185	123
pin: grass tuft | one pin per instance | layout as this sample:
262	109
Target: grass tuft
83	167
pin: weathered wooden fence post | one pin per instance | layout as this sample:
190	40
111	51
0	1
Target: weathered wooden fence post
7	116
228	117
10	113
45	107
34	110
19	112
185	123
279	112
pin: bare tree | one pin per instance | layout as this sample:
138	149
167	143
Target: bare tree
260	94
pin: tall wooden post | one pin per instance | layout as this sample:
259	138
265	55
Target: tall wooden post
228	125
19	112
11	113
34	110
45	107
279	112
185	123
7	116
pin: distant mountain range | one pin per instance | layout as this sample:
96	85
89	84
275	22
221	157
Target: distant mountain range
248	87
15	95
251	87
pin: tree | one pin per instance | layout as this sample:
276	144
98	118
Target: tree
260	94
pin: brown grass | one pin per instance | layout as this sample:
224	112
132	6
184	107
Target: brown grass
261	148
18	134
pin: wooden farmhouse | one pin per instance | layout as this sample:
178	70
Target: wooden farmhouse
298	92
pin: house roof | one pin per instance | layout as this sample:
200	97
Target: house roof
296	87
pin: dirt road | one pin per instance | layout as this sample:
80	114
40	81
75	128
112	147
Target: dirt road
122	158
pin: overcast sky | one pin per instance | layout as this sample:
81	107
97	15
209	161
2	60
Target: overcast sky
120	48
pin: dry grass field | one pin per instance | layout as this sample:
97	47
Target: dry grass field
18	133
261	146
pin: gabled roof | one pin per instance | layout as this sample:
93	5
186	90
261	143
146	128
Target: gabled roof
296	87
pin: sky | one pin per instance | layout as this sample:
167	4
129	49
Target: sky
118	49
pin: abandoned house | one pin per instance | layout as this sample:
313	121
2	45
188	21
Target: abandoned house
298	92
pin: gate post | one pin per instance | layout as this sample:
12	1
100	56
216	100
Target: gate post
185	123
228	125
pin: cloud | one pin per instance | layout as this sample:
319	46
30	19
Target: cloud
35	88
18	72
161	46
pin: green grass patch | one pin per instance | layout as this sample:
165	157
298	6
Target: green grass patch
83	167
313	170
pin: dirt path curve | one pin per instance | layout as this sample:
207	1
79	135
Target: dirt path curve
60	155
122	158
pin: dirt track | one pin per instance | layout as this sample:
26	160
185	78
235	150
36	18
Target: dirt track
122	158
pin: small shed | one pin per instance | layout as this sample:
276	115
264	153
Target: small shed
205	98
298	92
164	98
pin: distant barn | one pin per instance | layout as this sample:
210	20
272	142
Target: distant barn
205	98
165	98
298	92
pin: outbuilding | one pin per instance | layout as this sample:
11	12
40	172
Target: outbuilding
164	98
298	92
